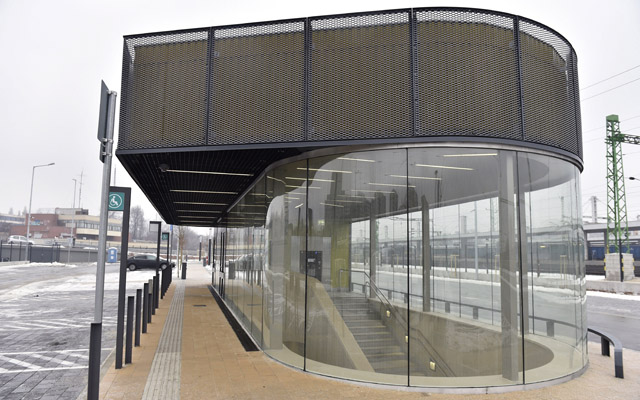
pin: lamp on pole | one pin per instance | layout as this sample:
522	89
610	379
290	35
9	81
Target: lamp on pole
33	170
73	220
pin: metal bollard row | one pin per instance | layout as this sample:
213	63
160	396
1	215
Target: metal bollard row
141	308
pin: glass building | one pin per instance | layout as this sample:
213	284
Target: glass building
395	194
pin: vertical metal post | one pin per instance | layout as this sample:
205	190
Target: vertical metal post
151	309
138	309
156	291
145	307
102	236
95	344
95	338
129	341
122	284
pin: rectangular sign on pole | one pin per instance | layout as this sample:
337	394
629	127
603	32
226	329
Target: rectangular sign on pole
102	119
165	235
116	201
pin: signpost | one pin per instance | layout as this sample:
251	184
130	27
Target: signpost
120	200
105	136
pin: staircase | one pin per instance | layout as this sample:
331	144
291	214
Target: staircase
375	340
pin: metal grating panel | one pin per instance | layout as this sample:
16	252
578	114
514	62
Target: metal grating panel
467	77
576	99
360	77
549	91
388	74
164	90
257	84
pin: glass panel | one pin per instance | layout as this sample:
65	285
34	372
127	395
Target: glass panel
464	285
284	279
554	293
357	267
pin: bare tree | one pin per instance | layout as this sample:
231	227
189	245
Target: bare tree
137	223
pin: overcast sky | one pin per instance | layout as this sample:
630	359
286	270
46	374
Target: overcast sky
54	54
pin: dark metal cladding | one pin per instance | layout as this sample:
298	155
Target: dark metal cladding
272	90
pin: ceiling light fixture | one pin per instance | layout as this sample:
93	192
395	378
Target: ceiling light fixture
293	178
471	155
444	167
198	211
389	184
332	205
356	159
416	177
182	171
371	191
201	204
200	191
325	170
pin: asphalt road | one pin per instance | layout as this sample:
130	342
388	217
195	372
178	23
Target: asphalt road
616	316
45	316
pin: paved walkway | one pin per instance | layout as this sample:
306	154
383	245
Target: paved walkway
210	363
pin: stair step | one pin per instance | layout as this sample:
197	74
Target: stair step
390	365
369	331
365	323
361	316
368	341
384	357
382	350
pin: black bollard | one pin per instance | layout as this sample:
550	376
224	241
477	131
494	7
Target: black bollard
138	309
184	270
156	295
95	337
151	311
145	307
162	284
128	346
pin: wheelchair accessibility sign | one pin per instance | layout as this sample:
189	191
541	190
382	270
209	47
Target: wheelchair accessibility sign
116	201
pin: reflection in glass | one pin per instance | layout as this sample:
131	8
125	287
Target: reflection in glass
412	266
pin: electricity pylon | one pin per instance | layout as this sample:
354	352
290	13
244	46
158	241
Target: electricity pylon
617	228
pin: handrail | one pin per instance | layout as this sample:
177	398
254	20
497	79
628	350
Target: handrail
404	324
605	340
474	306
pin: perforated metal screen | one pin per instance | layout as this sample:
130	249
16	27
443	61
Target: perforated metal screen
360	77
249	95
164	98
549	88
391	74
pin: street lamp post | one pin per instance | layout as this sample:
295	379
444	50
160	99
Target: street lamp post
33	170
73	220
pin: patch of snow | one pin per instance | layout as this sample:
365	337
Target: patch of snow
613	295
595	277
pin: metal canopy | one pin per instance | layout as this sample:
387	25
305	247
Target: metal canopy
185	198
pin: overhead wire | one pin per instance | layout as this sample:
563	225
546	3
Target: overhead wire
608	90
611	77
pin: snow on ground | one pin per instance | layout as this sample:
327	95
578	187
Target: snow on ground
613	295
76	283
595	277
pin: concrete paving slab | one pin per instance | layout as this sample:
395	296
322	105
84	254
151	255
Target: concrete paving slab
214	365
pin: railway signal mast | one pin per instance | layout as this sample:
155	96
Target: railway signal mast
617	228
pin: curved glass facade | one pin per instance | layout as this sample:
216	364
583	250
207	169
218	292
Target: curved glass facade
422	266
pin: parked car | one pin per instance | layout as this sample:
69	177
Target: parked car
146	261
17	239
